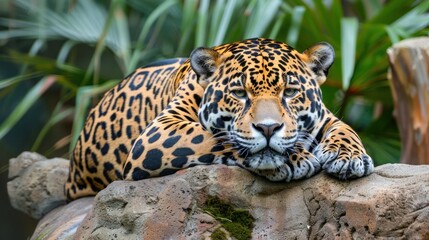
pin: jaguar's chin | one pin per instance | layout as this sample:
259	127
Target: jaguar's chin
266	159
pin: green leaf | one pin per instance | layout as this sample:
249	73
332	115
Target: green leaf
189	12
217	13
393	35
25	104
68	76
373	8
392	10
122	33
262	15
56	117
160	10
277	26
349	30
202	23
412	22
64	51
84	23
224	22
17	79
381	149
295	25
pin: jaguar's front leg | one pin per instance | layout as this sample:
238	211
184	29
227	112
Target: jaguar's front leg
341	152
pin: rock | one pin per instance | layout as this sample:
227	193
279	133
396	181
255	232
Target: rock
392	203
62	222
19	164
36	184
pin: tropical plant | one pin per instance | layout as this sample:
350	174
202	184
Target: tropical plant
357	89
80	48
165	29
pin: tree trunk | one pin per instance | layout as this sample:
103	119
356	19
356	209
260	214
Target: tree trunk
409	81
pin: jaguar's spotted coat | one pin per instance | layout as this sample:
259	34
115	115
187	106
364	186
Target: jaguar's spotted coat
255	103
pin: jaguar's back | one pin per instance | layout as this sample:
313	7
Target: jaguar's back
116	121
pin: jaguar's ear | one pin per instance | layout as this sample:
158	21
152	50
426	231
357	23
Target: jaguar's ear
320	58
204	62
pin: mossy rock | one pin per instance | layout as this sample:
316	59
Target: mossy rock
218	234
238	222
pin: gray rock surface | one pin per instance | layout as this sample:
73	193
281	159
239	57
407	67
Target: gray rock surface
36	184
63	221
392	203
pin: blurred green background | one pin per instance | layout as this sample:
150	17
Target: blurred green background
58	56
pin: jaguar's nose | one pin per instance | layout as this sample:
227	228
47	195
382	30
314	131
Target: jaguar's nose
268	129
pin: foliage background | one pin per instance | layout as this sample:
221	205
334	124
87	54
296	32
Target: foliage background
57	57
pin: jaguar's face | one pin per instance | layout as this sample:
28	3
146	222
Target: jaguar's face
266	115
261	96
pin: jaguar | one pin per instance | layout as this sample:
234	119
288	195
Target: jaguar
256	104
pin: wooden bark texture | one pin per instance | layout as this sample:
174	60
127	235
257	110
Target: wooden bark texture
409	81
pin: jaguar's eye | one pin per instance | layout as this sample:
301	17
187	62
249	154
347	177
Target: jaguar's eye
290	92
239	93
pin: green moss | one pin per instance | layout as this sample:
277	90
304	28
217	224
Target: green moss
238	222
218	234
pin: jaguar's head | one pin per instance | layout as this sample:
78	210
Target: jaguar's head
261	95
